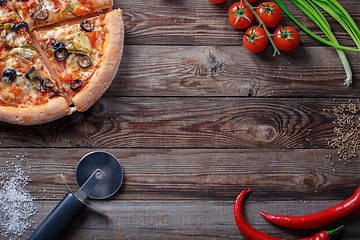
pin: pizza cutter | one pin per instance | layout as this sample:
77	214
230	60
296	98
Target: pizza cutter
99	175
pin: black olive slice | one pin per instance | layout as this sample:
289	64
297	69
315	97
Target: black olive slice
61	54
40	80
48	83
18	26
76	84
28	73
83	61
87	25
57	44
42	14
2	2
9	75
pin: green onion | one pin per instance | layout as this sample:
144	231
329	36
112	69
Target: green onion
334	9
77	51
29	46
317	37
318	18
69	8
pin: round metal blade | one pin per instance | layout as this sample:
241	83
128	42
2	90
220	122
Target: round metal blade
109	164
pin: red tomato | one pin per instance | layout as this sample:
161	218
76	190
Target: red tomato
270	14
65	77
286	38
217	1
255	39
240	15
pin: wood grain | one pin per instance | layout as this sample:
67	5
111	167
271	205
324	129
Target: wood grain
200	22
233	71
272	123
194	119
204	174
186	219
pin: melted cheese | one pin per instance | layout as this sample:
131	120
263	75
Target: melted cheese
21	41
23	53
23	92
49	5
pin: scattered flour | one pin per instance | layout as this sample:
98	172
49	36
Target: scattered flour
16	203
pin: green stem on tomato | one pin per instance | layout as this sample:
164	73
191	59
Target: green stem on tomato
276	50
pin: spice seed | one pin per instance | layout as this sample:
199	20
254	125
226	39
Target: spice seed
346	130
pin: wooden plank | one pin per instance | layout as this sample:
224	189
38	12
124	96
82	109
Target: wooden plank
200	22
185	123
185	219
188	174
233	71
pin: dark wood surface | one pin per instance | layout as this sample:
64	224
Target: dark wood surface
194	119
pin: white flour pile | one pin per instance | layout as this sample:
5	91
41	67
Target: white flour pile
16	204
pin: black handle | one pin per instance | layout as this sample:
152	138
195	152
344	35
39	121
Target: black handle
58	219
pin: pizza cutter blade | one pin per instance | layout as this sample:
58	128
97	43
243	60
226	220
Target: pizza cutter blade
99	175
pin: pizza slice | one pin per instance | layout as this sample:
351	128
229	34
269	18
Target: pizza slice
40	13
7	13
28	94
85	56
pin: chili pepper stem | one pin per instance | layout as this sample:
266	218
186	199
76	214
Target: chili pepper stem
253	234
331	233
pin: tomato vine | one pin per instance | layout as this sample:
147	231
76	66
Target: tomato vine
261	23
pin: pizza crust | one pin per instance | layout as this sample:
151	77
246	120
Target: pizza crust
56	18
54	109
103	77
102	4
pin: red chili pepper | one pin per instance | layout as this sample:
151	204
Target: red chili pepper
319	219
253	234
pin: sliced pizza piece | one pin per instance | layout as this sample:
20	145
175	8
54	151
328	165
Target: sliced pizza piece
85	56
40	13
7	13
28	94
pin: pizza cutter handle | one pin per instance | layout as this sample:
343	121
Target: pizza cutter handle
58	219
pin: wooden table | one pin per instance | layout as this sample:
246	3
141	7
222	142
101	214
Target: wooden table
194	119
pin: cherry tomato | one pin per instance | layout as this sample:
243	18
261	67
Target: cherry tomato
255	39
286	38
240	15
217	1
270	14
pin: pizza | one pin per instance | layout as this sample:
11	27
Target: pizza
39	13
48	73
28	92
84	56
7	13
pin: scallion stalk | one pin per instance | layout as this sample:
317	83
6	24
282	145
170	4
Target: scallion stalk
334	9
317	37
318	18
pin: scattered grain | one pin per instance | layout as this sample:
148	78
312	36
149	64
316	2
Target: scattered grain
16	203
346	130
